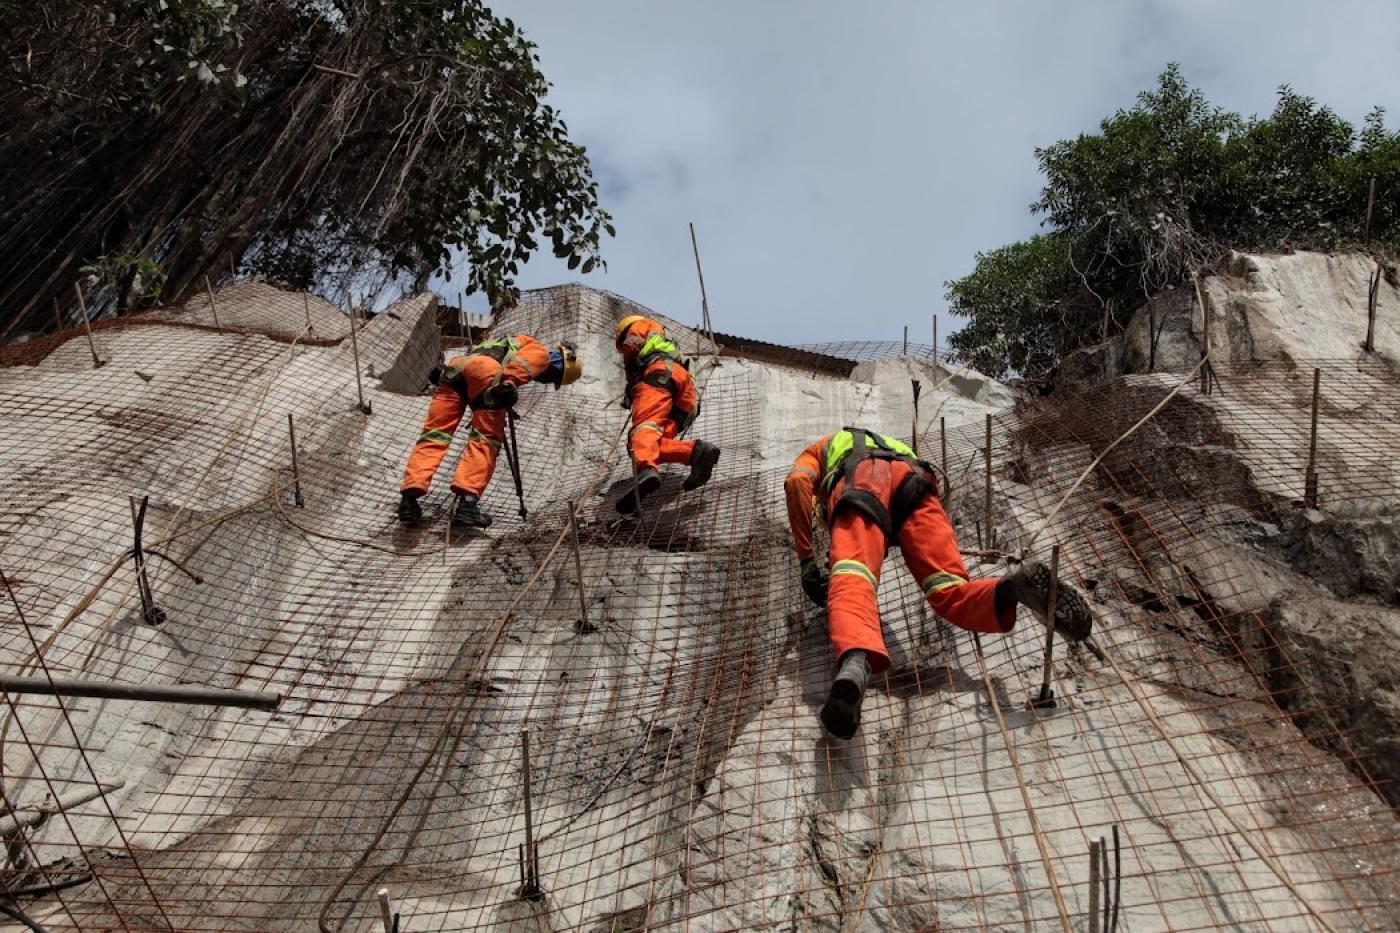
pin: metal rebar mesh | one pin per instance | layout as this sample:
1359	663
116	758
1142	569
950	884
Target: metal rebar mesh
679	777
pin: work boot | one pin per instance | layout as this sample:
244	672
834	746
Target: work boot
647	482
841	714
702	463
468	514
410	512
1030	585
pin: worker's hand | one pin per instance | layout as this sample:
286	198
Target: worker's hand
814	581
499	397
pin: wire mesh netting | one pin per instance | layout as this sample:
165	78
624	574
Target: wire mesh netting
665	673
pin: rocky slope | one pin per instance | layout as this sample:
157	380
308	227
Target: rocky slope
1229	723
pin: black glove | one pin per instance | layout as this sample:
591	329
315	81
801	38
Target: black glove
499	397
814	582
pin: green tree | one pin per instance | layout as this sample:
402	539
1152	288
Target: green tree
345	144
1162	189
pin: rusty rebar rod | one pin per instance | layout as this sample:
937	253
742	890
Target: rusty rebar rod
296	467
355	351
935	338
1370	211
306	306
914	384
191	694
152	614
1046	698
1310	476
578	566
531	888
943	447
213	307
1372	297
906	340
704	300
97	361
1094	886
987	510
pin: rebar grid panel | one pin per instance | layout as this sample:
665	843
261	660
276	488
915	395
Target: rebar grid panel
679	777
864	351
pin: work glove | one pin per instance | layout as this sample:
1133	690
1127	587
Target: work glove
814	582
499	397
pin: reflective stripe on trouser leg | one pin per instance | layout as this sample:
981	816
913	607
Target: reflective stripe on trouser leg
650	408
931	551
478	462
852	615
444	414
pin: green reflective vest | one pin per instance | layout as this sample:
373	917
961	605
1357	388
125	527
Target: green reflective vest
841	444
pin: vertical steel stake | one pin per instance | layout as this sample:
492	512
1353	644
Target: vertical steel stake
943	445
1372	296
906	339
213	308
386	916
1046	698
152	614
57	315
578	568
355	349
991	535
97	361
306	306
1094	887
704	300
296	470
1117	881
531	888
1310	477
916	387
935	338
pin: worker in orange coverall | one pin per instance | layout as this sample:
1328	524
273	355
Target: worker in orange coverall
874	492
486	379
664	404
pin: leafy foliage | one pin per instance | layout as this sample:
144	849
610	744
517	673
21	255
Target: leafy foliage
340	144
1162	189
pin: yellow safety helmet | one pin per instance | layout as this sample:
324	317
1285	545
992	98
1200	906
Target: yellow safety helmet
573	366
622	327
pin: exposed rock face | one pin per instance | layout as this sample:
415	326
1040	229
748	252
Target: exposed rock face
1278	308
680	779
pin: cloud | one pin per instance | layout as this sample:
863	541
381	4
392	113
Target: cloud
841	160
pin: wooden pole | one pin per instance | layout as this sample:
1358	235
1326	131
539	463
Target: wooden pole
296	469
1370	211
386	916
578	568
991	535
97	361
31	816
1094	887
704	300
1046	698
109	690
1372	297
355	349
213	308
1310	476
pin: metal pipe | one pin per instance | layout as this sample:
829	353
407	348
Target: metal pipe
1094	887
29	817
103	689
386	916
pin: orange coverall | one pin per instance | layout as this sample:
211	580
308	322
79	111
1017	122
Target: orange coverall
858	548
470	374
654	425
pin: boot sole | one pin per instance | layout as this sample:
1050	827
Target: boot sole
841	714
628	503
1073	620
701	472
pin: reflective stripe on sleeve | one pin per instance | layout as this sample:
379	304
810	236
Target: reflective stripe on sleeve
856	569
938	582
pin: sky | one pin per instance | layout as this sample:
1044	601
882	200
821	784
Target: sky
842	160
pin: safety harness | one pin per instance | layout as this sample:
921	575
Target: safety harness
502	350
846	451
659	347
